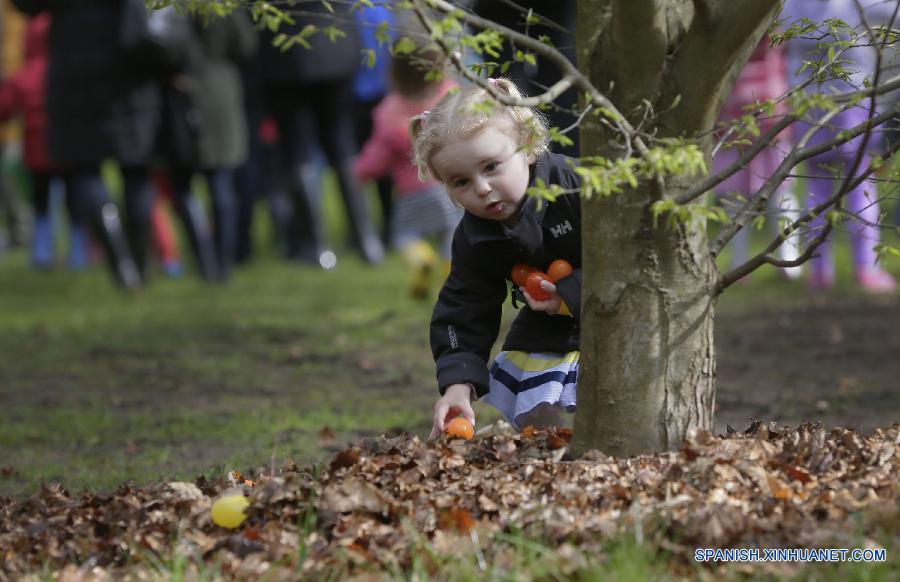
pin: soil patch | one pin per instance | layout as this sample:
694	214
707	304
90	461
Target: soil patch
832	360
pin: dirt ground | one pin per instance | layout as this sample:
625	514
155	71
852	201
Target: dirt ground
834	361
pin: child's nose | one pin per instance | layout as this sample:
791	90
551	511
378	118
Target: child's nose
484	187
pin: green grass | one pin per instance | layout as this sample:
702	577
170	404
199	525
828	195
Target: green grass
98	386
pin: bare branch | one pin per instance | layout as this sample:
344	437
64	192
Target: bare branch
577	121
713	180
795	157
547	96
571	75
763	258
766	255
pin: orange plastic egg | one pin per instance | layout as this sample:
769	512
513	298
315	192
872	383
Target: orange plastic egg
460	427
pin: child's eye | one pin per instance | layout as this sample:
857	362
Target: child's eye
460	183
491	166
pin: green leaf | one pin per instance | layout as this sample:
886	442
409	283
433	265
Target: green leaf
383	33
333	33
369	57
404	46
560	138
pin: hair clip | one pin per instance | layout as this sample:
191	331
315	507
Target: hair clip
492	81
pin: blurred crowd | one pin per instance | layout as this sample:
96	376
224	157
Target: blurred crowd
126	119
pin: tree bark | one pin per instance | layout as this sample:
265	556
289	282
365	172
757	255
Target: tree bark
647	373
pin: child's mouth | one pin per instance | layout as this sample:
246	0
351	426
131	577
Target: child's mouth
495	207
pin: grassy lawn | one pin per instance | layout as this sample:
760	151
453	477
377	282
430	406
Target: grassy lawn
186	378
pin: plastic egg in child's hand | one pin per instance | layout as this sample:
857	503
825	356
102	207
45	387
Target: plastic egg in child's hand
533	286
228	510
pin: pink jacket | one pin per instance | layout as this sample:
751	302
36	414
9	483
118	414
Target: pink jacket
763	77
388	151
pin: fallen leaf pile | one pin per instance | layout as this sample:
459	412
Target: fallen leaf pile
380	501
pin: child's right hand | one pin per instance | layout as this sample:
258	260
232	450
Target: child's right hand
455	401
551	306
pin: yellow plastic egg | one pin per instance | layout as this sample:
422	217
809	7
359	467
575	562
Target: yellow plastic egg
228	511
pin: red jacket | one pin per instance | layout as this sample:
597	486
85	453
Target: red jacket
389	149
25	92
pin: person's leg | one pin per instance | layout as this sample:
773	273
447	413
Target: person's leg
865	235
421	261
14	211
79	238
733	192
330	103
783	206
93	205
138	196
163	236
193	216
384	186
247	185
42	233
305	236
224	205
820	187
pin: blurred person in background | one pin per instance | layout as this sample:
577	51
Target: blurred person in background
861	202
24	93
764	77
204	132
422	209
370	85
252	180
14	228
534	78
103	104
309	92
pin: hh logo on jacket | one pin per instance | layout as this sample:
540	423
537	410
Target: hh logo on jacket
561	229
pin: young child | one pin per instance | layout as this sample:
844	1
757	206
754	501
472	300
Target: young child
421	208
487	155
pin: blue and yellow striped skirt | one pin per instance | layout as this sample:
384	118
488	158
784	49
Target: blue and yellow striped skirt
520	381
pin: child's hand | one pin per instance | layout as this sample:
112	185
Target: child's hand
551	306
455	401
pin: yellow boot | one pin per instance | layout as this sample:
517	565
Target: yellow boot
445	270
421	260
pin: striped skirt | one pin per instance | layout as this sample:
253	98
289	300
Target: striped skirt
521	381
425	213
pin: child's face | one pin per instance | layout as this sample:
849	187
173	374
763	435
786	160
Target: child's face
486	173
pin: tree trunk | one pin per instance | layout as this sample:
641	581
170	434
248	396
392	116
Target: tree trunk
648	357
648	362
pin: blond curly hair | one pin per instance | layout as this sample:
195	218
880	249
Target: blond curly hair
468	111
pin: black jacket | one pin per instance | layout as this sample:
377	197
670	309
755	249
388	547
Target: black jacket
100	103
466	318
